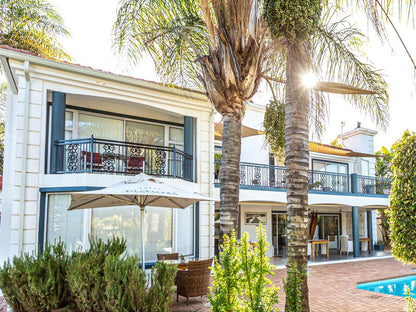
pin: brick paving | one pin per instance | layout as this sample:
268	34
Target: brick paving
332	287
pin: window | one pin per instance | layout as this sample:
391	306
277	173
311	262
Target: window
325	166
74	227
139	132
125	222
64	224
101	127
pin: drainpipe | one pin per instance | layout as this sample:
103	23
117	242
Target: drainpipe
24	158
211	184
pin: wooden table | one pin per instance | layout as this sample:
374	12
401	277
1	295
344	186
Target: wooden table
366	239
182	265
317	242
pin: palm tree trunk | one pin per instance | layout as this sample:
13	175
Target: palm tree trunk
230	175
297	164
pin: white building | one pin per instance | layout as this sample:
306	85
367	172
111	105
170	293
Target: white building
71	128
343	190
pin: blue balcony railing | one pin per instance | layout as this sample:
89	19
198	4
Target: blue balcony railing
107	156
259	176
373	185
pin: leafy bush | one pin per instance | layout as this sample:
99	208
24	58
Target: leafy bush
125	284
37	283
240	282
293	289
101	279
86	274
403	198
161	288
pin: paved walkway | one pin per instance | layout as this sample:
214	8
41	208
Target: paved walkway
332	287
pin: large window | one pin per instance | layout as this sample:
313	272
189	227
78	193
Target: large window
125	222
63	224
101	127
74	227
332	167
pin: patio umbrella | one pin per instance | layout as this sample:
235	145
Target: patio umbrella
141	190
245	131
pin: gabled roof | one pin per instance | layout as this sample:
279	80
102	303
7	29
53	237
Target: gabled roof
8	52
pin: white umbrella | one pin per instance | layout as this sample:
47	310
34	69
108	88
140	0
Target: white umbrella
141	190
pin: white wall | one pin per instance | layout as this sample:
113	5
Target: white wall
251	228
20	217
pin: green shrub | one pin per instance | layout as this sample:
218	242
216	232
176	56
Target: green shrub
37	283
161	288
240	280
125	284
86	274
293	289
402	209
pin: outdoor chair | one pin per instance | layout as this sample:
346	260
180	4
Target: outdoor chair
195	281
346	245
169	256
96	160
136	164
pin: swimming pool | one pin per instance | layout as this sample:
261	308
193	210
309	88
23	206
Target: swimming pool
393	286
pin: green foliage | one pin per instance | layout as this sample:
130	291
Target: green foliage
274	127
37	283
125	284
240	282
226	285
292	19
383	164
411	305
260	293
32	25
86	277
293	289
161	288
402	212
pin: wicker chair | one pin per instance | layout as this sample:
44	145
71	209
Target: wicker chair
195	281
169	256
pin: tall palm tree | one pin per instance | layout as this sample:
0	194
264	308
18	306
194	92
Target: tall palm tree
219	45
308	43
32	25
222	46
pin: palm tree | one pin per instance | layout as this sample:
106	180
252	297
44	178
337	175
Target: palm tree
218	45
307	42
32	25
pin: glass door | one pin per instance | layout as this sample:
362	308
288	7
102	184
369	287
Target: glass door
329	229
279	234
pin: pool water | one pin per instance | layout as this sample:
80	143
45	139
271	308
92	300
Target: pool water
392	286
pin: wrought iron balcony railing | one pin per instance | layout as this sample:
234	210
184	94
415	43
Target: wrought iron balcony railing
107	156
259	176
373	185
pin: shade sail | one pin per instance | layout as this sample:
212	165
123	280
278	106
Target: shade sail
141	190
338	151
245	131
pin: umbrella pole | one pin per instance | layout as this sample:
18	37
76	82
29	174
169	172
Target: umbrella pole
142	228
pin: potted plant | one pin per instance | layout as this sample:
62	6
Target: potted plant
379	246
182	258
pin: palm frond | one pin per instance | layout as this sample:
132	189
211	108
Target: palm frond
32	25
171	32
337	49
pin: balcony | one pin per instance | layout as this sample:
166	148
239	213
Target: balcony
267	177
106	156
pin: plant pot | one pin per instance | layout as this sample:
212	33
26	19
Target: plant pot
378	247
